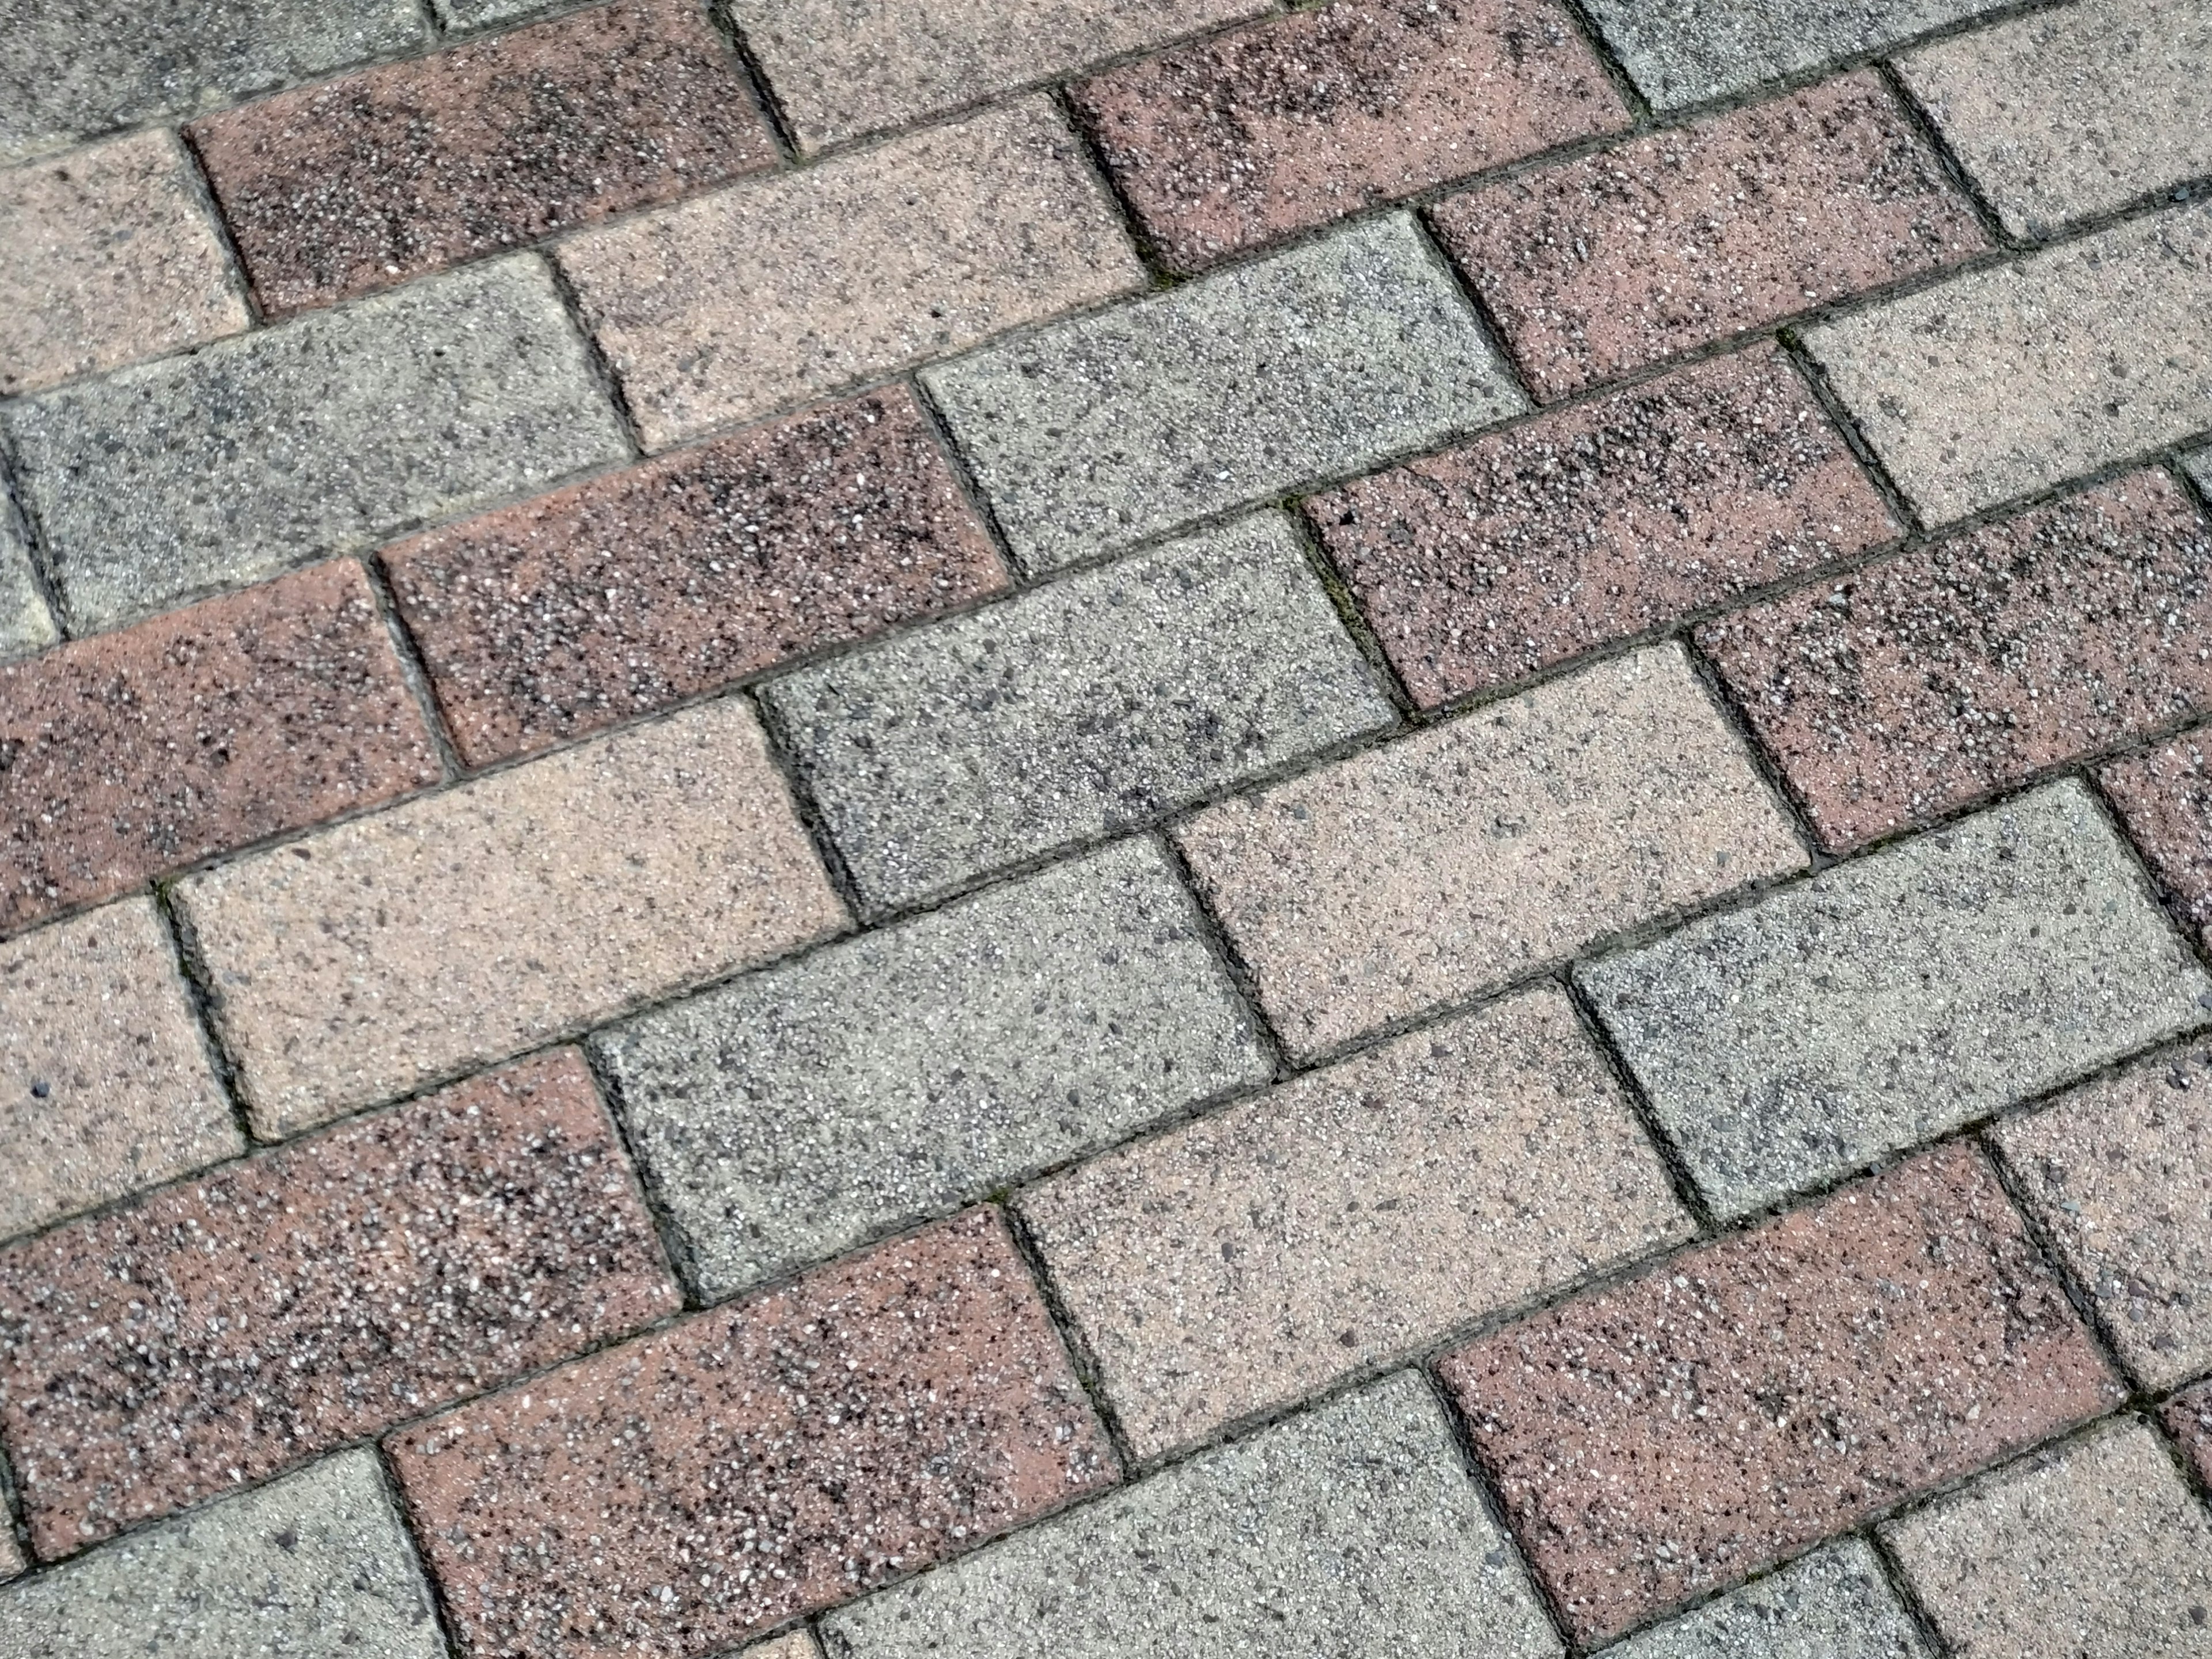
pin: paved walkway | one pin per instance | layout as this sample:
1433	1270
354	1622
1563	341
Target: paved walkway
1105	828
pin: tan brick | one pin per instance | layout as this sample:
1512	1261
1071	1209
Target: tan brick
379	956
797	1645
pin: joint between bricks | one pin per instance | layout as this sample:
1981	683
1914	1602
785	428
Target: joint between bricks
1922	121
45	577
604	373
1243	983
415	669
410	1532
723	21
673	1239
1687	1193
1082	1358
206	1000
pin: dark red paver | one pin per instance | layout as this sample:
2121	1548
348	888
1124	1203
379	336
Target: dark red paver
2164	798
2189	1416
365	181
1915	685
1481	566
1674	1435
632	591
678	1493
133	753
230	1327
1234	142
1600	266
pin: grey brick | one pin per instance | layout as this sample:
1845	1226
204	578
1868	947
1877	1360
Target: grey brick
1896	997
2199	466
25	627
313	1566
806	1108
1322	361
1833	1604
482	14
1095	704
175	479
1352	1531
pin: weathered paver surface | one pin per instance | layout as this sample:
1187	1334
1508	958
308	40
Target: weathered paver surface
26	623
1833	1604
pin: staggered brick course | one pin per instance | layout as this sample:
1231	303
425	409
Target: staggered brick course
2164	795
26	625
1834	1603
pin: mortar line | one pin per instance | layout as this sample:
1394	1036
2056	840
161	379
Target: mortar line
411	1532
722	18
1075	1346
1908	1596
1923	121
200	185
206	1001
415	669
1243	983
45	578
1600	1036
601	367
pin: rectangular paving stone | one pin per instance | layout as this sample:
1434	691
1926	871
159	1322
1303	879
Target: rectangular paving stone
1353	1216
2164	796
1484	851
1600	266
105	257
26	625
780	289
1674	1435
391	172
1891	999
1834	1603
639	588
681	1492
1325	359
1909	689
1090	706
376	956
137	752
1238	141
231	1327
174	479
1597	522
1352	1530
2002	382
804	1109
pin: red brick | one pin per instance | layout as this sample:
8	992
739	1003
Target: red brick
1603	265
1674	1435
133	753
1592	524
1234	141
229	1328
633	591
1912	687
2188	1417
365	181
2164	798
682	1491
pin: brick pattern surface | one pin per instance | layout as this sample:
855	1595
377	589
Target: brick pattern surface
2164	796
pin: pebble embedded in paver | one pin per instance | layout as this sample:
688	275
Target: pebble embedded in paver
25	623
1834	1603
1351	1530
2164	795
1325	359
1094	704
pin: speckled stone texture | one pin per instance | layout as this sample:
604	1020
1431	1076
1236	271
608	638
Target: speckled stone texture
1892	999
1909	689
136	752
621	595
806	1107
777	290
231	1327
1592	524
107	256
104	1081
393	173
1676	1434
1351	1217
1087	706
1833	1604
379	956
2188	1417
314	1565
1600	266
2096	1547
1483	851
800	1645
26	625
175	479
1324	360
755	1463
1352	1531
1232	143
2165	799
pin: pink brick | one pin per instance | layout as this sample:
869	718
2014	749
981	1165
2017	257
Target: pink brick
2164	798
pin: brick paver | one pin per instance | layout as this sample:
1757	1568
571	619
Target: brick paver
2188	1417
1471	855
1236	141
26	625
619	596
1834	1603
1676	1434
800	1645
1602	265
2165	799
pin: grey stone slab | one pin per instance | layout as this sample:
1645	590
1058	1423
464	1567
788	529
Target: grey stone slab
25	625
1897	996
1324	360
311	1567
1352	1531
175	479
482	14
1094	704
1833	1604
802	1108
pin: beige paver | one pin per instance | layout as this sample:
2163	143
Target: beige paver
798	1645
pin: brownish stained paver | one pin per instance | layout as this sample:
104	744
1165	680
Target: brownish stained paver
692	1488
2164	798
631	592
1232	143
1911	687
396	171
224	1330
132	753
1525	549
1675	1435
1602	265
2188	1416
